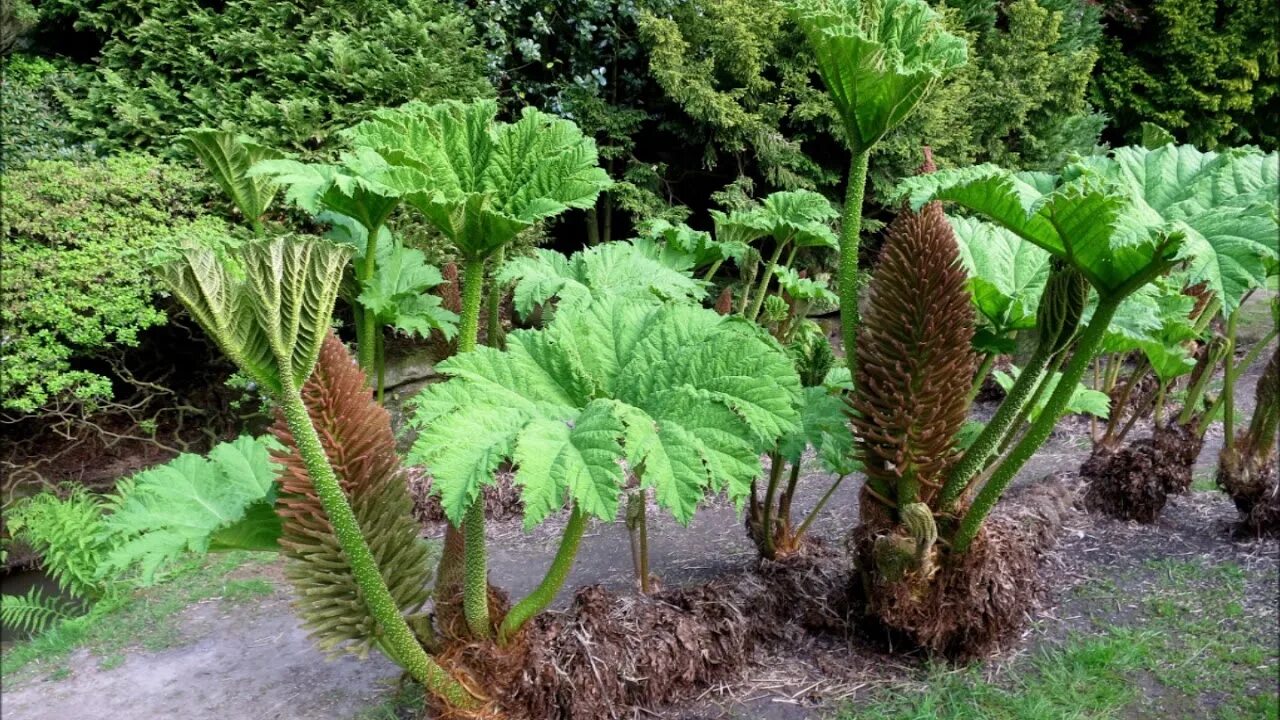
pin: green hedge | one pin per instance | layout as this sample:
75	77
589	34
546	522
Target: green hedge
1207	70
76	241
289	73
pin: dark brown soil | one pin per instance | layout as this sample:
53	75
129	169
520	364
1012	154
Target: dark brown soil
501	499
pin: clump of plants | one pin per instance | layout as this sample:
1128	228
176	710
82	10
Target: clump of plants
1181	331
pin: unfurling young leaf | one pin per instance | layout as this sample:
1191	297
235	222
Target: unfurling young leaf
229	157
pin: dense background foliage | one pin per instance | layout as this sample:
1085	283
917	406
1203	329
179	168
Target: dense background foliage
1208	70
76	239
291	73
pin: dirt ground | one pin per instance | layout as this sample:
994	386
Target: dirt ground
253	661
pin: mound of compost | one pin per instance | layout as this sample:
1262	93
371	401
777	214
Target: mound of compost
611	653
1134	482
974	605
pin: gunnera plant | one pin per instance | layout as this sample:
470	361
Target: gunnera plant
915	364
356	434
1247	470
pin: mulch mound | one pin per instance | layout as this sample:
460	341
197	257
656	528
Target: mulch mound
973	607
1255	490
1134	482
610	653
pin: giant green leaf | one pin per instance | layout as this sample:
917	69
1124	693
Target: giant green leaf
1006	273
357	187
878	59
479	181
398	294
194	503
269	316
689	399
619	269
1094	224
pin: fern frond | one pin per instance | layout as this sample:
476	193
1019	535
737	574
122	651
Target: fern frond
357	437
32	613
70	536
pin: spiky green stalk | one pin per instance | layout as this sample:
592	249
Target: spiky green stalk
367	352
975	458
850	229
763	290
980	377
551	583
495	335
475	584
1039	431
397	636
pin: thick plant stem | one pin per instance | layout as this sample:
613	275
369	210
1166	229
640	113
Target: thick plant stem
975	458
638	529
367	351
1240	367
551	583
1122	402
1041	428
396	634
1229	384
763	290
711	271
1027	407
850	228
475	584
382	365
988	362
766	525
495	337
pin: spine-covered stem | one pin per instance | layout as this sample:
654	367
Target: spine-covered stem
396	634
367	351
495	336
1027	407
850	230
988	362
1041	428
475	587
1240	367
551	583
766	525
1229	384
989	439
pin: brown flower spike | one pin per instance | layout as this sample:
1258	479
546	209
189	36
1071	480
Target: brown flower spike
915	362
357	437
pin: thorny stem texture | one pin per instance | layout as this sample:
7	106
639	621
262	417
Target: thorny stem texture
1041	428
850	228
396	634
551	583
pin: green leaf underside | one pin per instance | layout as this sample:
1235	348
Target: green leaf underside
279	309
877	59
1006	274
229	158
689	396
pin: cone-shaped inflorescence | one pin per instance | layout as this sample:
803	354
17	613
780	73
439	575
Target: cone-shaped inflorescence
915	361
357	437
